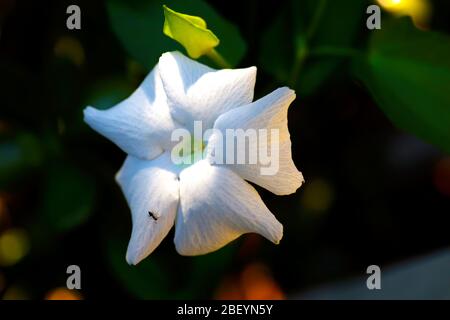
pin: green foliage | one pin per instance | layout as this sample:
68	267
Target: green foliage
68	197
289	50
408	80
337	26
408	73
277	59
138	25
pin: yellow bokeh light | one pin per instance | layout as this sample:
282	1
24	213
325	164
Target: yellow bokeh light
389	3
418	10
258	284
71	49
63	294
14	246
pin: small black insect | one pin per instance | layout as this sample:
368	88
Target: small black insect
151	214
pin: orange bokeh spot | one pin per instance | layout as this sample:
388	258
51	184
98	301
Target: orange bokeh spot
229	289
258	283
63	294
254	283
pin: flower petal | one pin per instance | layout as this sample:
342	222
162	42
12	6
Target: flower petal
269	112
216	207
197	92
141	124
152	192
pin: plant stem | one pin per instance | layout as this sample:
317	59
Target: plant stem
300	56
302	46
314	24
218	59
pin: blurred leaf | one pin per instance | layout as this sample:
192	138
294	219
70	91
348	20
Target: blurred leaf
423	278
138	25
338	27
68	197
338	23
147	280
314	23
18	155
277	51
408	73
189	31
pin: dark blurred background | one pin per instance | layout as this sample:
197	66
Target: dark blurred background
374	194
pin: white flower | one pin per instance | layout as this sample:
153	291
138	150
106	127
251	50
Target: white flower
209	204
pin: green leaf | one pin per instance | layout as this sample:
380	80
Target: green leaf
338	26
138	26
301	28
336	23
277	59
408	73
190	31
68	197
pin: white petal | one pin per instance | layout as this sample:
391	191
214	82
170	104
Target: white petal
197	92
216	207
269	112
141	124
149	186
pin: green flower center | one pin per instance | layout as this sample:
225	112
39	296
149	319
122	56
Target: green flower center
192	151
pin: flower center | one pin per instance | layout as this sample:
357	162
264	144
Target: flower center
191	151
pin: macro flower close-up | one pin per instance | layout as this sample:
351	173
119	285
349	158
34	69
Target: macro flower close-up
207	150
209	203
